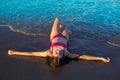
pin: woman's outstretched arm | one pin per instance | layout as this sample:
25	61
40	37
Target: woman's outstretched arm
39	54
87	57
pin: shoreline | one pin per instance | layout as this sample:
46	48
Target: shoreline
22	68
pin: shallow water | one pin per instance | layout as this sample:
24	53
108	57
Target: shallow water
86	19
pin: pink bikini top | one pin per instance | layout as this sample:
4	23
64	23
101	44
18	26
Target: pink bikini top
58	43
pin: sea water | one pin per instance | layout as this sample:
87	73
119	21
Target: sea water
89	19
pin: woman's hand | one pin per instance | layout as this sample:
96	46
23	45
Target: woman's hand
106	60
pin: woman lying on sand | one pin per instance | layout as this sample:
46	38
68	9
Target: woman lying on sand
58	49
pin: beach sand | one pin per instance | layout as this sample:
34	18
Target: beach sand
34	68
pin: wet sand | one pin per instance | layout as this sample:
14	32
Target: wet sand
34	68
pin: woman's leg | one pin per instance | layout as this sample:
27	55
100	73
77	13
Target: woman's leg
55	29
64	31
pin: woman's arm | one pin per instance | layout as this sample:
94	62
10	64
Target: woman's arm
87	57
39	54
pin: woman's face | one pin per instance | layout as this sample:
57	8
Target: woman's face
57	52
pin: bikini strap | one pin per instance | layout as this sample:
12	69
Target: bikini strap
58	44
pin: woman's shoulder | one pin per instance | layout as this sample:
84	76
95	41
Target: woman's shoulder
48	52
